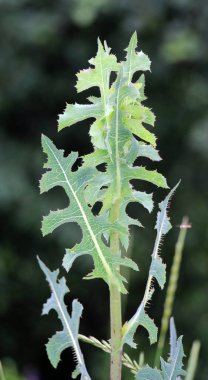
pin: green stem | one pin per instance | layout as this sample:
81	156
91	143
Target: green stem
171	290
115	307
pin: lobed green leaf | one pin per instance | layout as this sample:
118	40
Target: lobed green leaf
68	337
157	271
104	63
135	61
141	318
170	370
78	211
75	113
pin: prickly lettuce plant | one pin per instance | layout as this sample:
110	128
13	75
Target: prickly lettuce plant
121	133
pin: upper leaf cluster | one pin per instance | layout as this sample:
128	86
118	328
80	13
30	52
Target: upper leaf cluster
119	134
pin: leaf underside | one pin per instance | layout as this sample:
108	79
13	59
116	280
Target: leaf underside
158	272
68	337
93	227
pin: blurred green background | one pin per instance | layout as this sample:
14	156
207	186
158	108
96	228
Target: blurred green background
43	44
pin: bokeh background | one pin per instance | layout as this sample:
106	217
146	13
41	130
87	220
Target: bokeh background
43	44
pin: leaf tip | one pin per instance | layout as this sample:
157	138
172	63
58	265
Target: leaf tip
99	43
134	37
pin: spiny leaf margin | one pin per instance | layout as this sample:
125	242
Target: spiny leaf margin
157	271
68	337
120	117
171	369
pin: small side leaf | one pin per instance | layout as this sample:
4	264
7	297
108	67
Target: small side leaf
163	224
139	130
144	198
74	113
171	369
68	337
70	257
146	175
130	327
158	271
139	149
135	61
98	76
56	345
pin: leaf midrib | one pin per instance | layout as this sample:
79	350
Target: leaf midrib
118	173
66	323
175	361
159	234
130	63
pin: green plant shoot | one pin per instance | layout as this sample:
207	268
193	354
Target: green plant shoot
121	133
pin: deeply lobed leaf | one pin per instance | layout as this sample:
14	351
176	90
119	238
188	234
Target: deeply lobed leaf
141	318
68	337
171	369
78	211
157	271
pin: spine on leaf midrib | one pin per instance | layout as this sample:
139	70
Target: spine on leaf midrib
164	227
63	313
68	336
